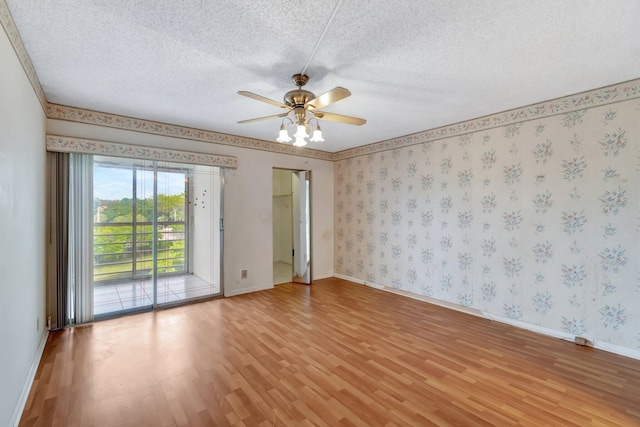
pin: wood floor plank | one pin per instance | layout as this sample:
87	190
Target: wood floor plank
331	354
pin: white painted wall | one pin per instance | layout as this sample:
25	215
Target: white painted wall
205	237
248	238
22	229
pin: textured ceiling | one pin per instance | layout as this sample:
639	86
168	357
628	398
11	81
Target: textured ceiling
411	65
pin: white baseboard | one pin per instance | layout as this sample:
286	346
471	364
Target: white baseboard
356	280
618	349
411	295
22	401
529	326
349	278
611	348
240	291
322	276
601	345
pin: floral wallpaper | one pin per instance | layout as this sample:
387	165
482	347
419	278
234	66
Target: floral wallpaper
537	221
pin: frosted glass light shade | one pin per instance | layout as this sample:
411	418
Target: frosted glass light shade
300	142
301	132
317	136
283	136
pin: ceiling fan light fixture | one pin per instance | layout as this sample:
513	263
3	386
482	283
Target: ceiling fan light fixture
317	134
299	142
301	132
283	136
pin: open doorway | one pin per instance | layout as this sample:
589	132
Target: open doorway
291	226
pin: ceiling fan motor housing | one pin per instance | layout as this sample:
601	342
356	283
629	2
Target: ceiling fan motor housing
298	97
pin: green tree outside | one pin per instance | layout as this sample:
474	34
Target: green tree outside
114	243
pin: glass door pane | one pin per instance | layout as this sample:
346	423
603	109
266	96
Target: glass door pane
143	264
189	237
171	231
119	218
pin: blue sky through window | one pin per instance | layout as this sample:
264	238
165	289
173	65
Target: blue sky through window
111	183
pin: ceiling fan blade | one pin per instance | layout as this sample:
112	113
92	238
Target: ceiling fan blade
262	98
339	118
257	119
328	98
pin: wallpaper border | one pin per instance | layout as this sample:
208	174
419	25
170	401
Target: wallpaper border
6	20
582	101
65	144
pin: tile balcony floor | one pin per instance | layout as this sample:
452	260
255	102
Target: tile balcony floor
282	273
111	298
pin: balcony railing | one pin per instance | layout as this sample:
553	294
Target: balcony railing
124	250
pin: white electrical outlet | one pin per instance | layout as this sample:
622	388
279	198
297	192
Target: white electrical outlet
38	324
243	274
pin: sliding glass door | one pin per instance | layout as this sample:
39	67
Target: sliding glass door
156	234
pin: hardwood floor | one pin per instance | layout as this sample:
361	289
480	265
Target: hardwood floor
331	354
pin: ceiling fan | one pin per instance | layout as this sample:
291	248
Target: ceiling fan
304	106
